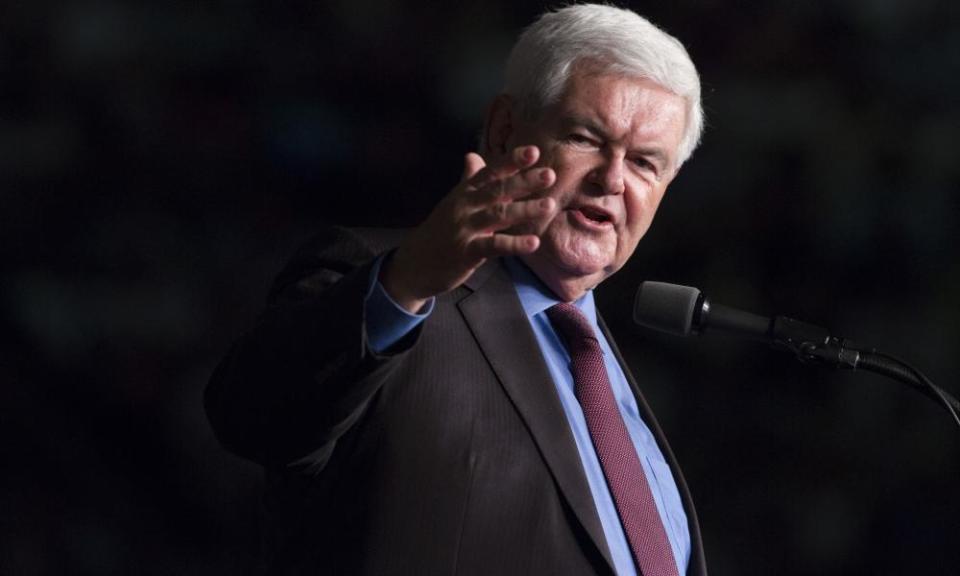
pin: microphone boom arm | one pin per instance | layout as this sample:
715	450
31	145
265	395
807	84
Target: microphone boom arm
840	353
684	310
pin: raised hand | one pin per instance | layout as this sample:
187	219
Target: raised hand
494	211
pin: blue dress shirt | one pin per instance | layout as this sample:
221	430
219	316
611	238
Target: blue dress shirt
387	322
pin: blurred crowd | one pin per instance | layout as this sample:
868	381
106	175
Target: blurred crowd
159	161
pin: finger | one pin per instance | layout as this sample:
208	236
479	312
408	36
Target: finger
503	245
517	186
472	163
502	215
521	158
524	156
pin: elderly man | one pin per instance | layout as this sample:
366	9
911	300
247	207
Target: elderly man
447	401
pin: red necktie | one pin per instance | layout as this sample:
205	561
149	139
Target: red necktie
617	454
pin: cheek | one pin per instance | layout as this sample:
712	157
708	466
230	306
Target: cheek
641	206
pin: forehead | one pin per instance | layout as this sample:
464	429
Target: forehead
634	110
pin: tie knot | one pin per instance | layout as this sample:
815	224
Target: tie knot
572	325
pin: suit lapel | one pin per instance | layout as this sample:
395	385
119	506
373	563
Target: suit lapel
495	316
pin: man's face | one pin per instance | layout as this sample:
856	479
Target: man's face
612	142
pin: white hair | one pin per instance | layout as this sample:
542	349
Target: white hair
615	39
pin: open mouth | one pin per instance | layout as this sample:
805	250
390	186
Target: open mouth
594	215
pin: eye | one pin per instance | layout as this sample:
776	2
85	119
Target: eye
644	164
581	140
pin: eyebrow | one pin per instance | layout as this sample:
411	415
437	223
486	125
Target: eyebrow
595	127
657	154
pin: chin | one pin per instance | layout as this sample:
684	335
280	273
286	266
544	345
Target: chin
570	261
578	257
583	268
569	274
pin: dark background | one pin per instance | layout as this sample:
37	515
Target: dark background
158	161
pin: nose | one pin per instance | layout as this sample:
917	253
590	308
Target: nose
609	175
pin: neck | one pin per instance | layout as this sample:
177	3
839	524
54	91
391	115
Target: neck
566	288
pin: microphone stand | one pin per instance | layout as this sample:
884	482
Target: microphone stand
812	344
684	310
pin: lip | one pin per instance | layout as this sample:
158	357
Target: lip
580	218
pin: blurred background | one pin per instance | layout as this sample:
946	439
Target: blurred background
160	160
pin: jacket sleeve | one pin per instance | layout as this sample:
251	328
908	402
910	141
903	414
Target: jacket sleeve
296	382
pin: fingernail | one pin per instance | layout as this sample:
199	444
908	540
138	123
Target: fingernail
528	153
545	176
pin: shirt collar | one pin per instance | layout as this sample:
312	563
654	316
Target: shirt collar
534	295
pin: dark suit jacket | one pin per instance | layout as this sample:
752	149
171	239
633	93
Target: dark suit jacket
450	454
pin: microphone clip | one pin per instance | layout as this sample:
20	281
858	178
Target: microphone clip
834	352
813	344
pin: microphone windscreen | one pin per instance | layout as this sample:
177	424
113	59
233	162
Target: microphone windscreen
665	307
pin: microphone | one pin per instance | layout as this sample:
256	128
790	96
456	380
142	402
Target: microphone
684	310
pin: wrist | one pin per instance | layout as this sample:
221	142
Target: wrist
398	283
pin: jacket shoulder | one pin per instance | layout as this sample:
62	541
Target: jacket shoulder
327	256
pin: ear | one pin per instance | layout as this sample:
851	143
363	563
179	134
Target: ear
499	127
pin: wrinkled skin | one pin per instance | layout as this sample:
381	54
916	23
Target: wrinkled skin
571	192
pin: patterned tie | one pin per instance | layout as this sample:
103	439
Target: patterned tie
618	457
